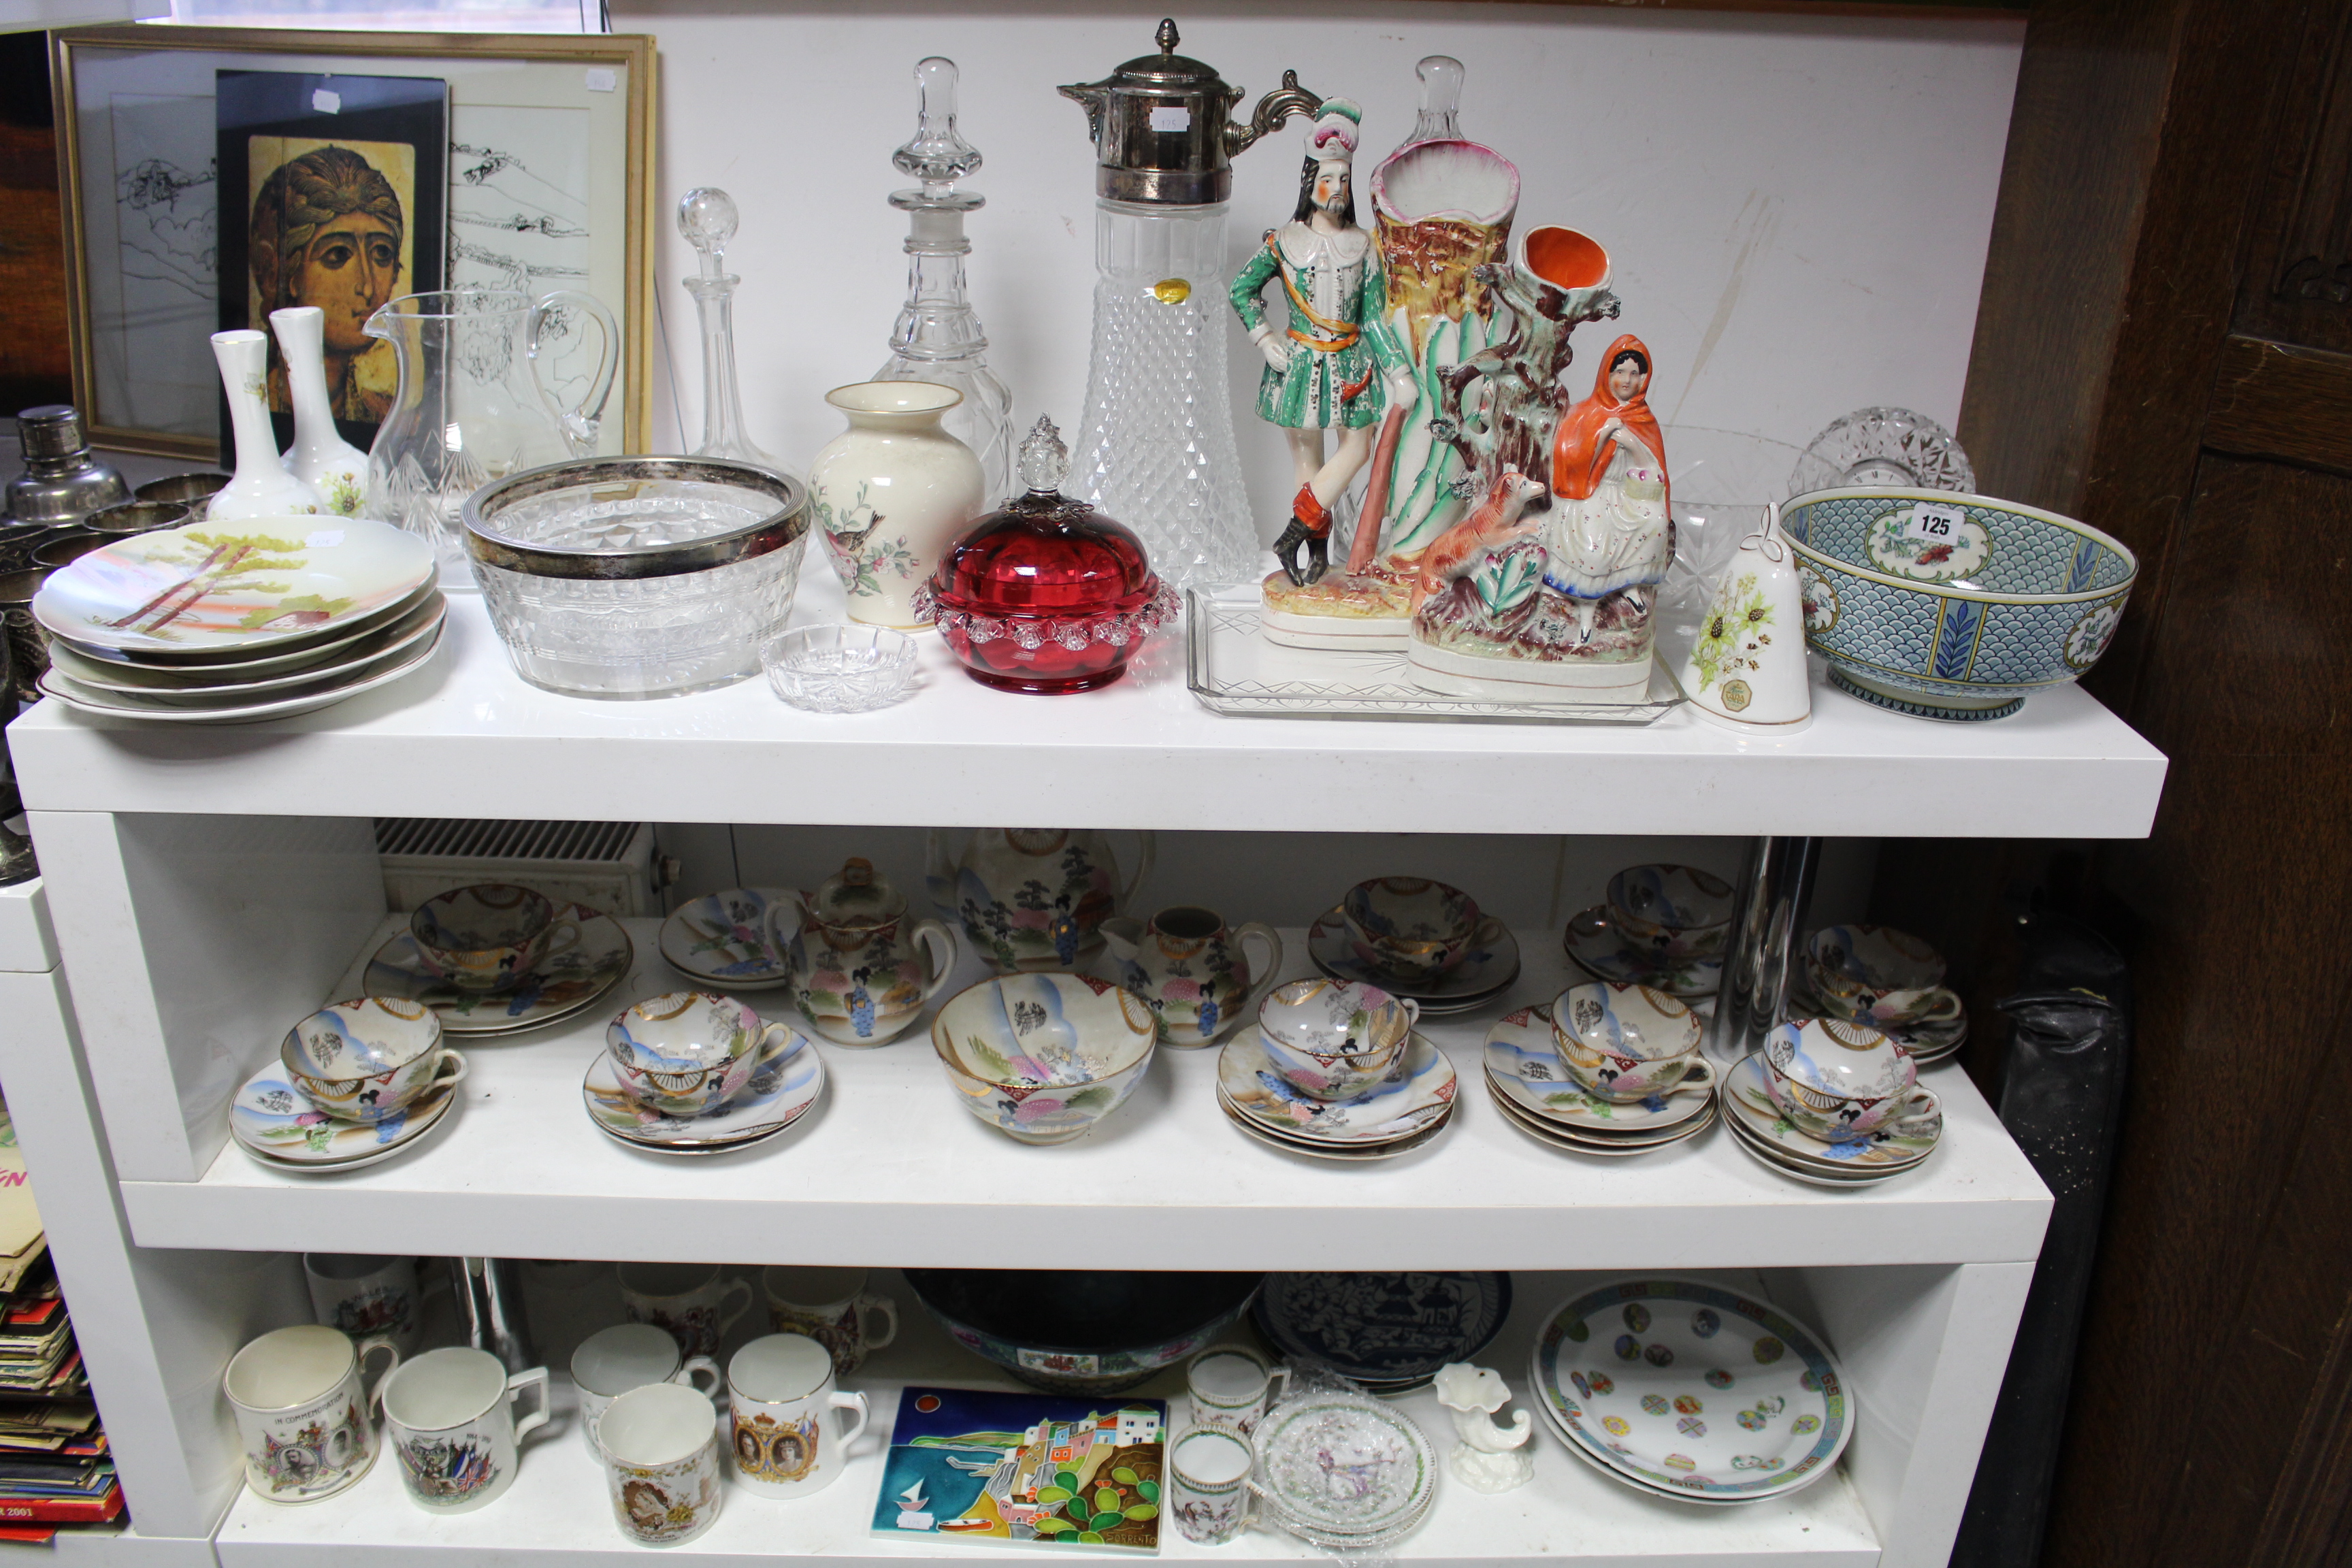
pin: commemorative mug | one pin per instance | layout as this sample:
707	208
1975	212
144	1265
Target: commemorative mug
1233	1385
449	1415
690	1299
490	936
833	1307
659	1446
1191	970
304	1411
362	1294
611	1362
785	1416
1626	1042
370	1059
1208	1483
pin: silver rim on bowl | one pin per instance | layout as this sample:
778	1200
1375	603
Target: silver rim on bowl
486	543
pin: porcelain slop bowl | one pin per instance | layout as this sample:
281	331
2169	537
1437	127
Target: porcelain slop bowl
1044	1058
1949	606
1081	1331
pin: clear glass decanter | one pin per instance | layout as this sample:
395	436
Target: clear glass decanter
707	218
938	337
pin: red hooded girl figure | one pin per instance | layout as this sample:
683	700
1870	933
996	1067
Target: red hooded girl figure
1610	527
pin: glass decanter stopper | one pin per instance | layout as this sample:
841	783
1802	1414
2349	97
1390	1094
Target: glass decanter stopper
937	338
707	218
1441	101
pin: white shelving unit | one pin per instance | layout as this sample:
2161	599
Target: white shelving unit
210	886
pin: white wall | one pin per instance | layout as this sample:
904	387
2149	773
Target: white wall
1798	208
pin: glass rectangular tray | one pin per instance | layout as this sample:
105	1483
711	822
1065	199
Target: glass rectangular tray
1233	669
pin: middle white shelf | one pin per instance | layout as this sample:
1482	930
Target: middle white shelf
890	1169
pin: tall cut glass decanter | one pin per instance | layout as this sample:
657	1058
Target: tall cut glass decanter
1156	446
707	218
938	337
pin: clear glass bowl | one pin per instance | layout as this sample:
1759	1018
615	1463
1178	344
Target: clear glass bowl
840	669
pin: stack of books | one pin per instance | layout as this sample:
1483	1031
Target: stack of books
54	1467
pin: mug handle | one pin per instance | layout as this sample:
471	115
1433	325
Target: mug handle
442	1077
1943	1009
938	945
1277	1384
727	1319
1265	973
563	939
1411	1012
581	424
851	1399
889	1312
374	1391
1700	1074
1147	846
695	1365
1490	931
1920	1104
538	1419
779	938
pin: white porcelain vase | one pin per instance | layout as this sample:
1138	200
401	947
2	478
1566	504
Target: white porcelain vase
1747	670
319	457
891	493
262	486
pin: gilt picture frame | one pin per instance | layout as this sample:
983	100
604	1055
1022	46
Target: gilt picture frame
550	178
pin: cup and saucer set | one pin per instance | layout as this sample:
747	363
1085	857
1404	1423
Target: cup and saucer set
1887	979
1664	927
497	959
1833	1103
1419	941
1605	1068
356	1083
692	1073
731	940
1335	1071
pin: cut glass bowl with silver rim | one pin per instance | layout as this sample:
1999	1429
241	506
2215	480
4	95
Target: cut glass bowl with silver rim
837	668
637	577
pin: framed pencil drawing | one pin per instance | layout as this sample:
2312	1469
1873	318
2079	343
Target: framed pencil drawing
410	162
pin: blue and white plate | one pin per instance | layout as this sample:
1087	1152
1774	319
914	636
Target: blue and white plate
720	939
1688	1389
1382	1330
276	1124
789	1080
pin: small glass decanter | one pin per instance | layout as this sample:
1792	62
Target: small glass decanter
937	338
707	218
1440	119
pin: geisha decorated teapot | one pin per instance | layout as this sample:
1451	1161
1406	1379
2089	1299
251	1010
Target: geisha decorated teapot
1034	898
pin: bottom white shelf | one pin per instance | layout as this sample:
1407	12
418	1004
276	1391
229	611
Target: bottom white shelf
557	1503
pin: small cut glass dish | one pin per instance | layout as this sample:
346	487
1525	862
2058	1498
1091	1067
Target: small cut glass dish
840	669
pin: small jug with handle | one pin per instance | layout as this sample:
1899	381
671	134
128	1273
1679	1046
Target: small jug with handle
1191	970
1035	898
861	969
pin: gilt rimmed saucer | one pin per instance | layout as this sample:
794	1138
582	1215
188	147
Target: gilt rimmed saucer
789	1080
1554	1135
1523	1058
720	939
564	984
1747	1101
277	1124
1595	946
1419	1099
1342	1153
1482	975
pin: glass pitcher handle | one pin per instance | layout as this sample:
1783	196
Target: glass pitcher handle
580	425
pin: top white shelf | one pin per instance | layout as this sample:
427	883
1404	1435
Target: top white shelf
465	736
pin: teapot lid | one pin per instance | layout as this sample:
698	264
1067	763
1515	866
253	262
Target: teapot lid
858	896
1169	71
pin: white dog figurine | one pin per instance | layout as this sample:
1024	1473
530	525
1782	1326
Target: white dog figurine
1489	1458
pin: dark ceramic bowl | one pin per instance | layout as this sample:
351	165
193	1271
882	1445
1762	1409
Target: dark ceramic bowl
1082	1331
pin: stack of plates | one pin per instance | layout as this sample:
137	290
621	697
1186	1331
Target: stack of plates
1481	977
1681	1389
276	1124
1758	1126
226	623
789	1080
1531	1088
1927	1043
1404	1113
1343	1471
1387	1334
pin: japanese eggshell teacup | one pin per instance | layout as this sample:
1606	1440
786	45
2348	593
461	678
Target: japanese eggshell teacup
490	936
1843	1083
1624	1043
1878	975
1413	929
368	1059
1670	911
1334	1038
687	1052
1042	1057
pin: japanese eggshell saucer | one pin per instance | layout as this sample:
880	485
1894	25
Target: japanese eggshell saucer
1390	1110
1596	948
276	1124
1749	1106
1479	978
789	1080
568	983
754	964
1523	1061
